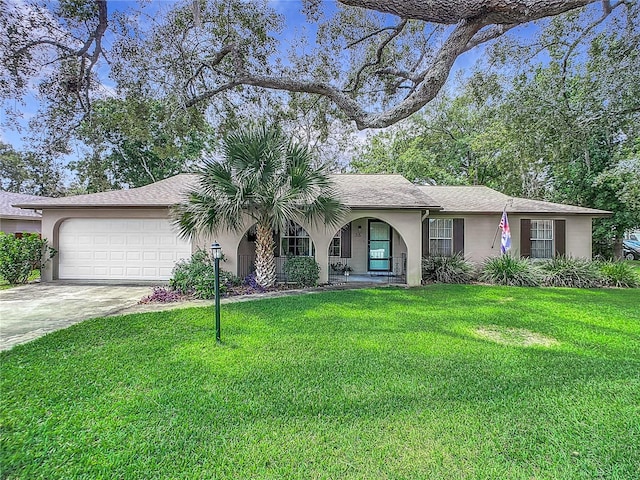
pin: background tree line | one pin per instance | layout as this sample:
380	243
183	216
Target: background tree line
564	128
134	96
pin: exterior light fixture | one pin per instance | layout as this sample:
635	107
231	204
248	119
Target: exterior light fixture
216	253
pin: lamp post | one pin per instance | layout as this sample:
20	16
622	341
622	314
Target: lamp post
216	253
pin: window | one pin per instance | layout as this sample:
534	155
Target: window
441	237
334	246
541	238
295	241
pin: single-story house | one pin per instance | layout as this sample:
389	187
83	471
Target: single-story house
128	235
17	220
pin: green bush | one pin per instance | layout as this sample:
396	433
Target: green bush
19	256
196	276
509	270
570	272
303	271
454	269
619	274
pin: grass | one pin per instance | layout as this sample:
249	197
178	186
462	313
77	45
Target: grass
449	381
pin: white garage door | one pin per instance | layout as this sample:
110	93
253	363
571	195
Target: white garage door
119	249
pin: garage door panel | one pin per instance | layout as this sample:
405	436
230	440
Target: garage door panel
116	256
167	256
119	249
84	255
117	240
116	272
150	256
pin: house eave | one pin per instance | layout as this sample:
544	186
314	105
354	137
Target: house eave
394	207
101	206
21	218
499	212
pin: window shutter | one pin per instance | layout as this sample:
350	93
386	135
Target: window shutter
458	236
525	237
276	242
559	232
345	241
425	237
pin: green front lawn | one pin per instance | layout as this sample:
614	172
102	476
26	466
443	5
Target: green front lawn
444	382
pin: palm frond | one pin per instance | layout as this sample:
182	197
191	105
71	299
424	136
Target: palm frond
327	209
264	176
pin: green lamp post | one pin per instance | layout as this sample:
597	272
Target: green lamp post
216	253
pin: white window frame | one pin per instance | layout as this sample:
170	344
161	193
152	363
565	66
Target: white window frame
438	228
336	241
296	234
542	238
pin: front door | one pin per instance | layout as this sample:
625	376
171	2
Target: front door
379	246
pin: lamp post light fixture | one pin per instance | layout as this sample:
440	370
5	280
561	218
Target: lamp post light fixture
216	253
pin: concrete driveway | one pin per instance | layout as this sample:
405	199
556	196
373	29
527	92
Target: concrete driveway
31	311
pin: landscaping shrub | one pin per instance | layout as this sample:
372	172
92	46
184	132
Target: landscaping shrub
509	270
196	276
619	274
252	284
570	272
303	271
19	256
454	269
162	295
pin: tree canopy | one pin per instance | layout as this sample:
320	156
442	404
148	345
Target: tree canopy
565	130
376	62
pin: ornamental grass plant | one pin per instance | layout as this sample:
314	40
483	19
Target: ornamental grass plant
619	274
510	270
571	272
453	269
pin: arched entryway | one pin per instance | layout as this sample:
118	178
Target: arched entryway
367	249
292	241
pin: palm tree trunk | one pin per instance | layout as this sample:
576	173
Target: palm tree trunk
265	260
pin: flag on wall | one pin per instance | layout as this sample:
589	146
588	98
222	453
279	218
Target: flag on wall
505	241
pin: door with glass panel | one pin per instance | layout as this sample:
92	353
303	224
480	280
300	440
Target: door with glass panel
379	246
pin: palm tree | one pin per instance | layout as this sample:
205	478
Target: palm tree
265	177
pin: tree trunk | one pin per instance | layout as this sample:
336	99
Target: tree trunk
617	247
265	261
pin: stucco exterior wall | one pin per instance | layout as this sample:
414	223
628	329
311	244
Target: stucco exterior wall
480	230
8	225
359	245
406	224
578	234
53	218
580	237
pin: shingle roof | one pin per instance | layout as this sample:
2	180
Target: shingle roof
160	194
381	191
356	191
481	199
8	199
